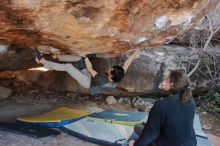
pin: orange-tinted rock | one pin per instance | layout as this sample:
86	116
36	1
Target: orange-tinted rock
105	27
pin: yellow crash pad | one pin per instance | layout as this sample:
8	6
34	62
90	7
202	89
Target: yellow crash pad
57	115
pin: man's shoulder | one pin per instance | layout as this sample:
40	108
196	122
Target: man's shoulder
166	101
101	75
173	101
99	80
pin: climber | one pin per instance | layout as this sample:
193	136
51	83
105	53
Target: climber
86	76
170	121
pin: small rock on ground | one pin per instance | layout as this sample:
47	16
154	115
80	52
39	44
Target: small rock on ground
142	104
111	100
123	100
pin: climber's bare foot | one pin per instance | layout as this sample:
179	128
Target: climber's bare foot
39	56
37	60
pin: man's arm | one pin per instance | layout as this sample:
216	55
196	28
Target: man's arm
129	60
151	130
89	67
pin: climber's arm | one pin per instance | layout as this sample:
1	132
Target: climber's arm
129	60
89	67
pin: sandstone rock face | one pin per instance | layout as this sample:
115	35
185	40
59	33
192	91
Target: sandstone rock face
104	27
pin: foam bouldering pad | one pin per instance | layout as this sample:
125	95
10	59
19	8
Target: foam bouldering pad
109	134
197	127
55	118
201	137
120	117
98	132
31	131
203	141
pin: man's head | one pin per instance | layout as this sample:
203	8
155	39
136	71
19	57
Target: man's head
178	82
116	73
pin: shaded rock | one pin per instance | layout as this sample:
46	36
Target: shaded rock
142	78
72	96
17	57
45	79
7	75
137	101
5	92
149	100
124	100
141	104
33	91
111	100
23	99
150	71
98	98
144	109
28	76
83	98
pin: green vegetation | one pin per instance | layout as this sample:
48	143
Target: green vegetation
215	104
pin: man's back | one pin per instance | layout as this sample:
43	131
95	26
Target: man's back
170	123
177	122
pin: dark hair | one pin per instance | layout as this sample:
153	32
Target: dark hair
117	73
181	85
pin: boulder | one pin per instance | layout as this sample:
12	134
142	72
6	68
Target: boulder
5	92
111	100
123	100
147	72
143	76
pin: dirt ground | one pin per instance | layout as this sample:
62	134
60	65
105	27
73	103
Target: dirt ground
10	109
29	102
9	139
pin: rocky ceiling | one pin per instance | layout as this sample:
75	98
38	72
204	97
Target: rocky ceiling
104	27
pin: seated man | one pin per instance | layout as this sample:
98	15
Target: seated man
170	120
86	76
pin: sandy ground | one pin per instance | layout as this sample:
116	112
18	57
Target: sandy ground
9	139
9	110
